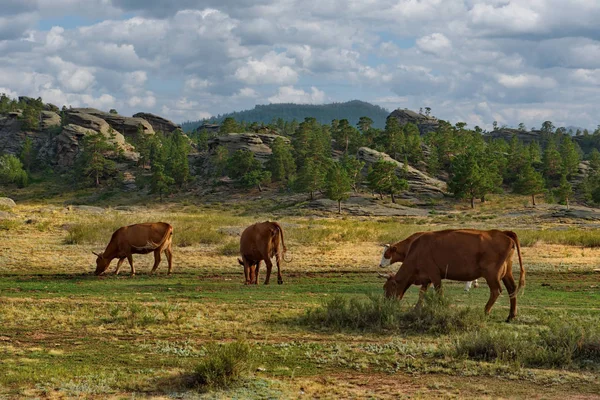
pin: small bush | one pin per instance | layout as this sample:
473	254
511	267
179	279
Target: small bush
561	345
231	248
377	313
223	365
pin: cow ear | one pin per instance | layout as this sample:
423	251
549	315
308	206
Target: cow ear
384	276
96	254
386	246
394	249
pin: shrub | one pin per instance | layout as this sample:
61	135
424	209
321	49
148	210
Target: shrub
11	171
376	313
231	248
223	365
561	345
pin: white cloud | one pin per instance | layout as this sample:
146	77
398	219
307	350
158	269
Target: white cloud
521	81
289	94
436	43
273	68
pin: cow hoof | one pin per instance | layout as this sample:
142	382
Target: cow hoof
280	282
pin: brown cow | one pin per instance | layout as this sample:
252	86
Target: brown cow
137	239
397	253
461	255
261	242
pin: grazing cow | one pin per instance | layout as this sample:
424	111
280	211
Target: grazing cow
259	242
137	239
461	255
397	253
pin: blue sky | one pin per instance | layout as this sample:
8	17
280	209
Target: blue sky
476	61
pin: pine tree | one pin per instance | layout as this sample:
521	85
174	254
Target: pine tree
346	136
229	125
382	178
529	182
392	140
413	149
219	161
27	157
176	163
594	159
247	170
564	191
160	182
552	161
338	185
311	177
569	155
93	162
468	180
281	162
353	167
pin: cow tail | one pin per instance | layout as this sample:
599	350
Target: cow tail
515	238
282	241
168	234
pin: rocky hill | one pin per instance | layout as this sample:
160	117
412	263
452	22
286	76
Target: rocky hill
425	123
58	138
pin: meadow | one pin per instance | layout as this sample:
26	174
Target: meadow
325	333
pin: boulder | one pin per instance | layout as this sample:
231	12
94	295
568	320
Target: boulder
241	141
67	145
49	119
423	122
128	126
269	138
158	123
507	134
418	182
76	116
7	202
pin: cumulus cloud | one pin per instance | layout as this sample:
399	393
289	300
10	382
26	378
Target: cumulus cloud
476	60
289	94
436	43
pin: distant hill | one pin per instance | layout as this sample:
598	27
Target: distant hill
324	113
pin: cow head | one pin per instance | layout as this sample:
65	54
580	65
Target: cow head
390	287
386	258
101	263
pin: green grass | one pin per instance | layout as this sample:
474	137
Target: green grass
223	366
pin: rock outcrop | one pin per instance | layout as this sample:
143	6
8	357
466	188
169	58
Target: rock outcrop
418	182
241	141
507	134
49	119
424	123
76	116
158	123
128	126
64	149
11	136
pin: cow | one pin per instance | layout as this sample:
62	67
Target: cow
462	255
137	239
259	242
399	251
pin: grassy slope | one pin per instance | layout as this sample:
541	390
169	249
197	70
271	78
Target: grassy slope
65	332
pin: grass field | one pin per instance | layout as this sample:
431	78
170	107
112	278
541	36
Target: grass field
65	333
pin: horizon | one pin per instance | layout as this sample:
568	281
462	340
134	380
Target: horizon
476	61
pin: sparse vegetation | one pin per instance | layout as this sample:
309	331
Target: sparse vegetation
223	365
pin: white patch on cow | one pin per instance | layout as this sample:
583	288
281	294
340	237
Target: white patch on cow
385	262
149	246
468	285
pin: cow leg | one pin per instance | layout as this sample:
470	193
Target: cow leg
278	261
169	255
255	281
269	264
130	259
119	265
157	259
495	290
422	292
511	287
247	271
